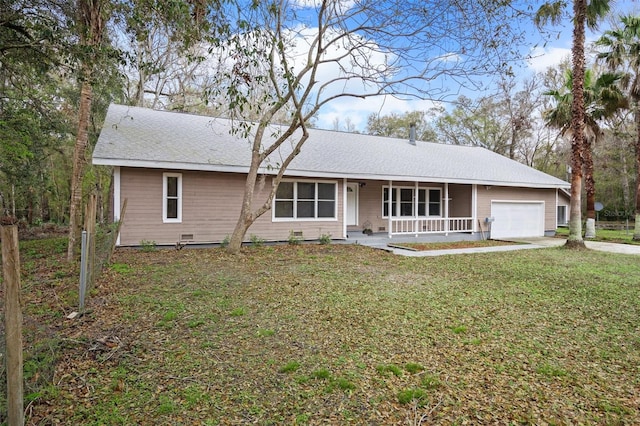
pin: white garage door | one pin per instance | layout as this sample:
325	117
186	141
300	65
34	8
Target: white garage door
513	219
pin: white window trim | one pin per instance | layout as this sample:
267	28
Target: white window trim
565	220
426	188
116	198
295	198
166	219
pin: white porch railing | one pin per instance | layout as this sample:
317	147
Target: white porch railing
416	226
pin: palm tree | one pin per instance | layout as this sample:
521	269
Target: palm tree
584	13
623	53
92	17
602	98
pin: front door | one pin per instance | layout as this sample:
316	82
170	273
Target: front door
352	204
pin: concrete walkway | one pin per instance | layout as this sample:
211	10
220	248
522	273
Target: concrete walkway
520	244
593	245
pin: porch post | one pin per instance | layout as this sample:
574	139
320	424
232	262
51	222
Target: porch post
389	207
557	208
415	208
344	208
446	208
474	207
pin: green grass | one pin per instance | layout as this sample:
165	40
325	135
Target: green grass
622	236
411	395
413	368
334	334
289	367
238	312
389	368
430	381
322	374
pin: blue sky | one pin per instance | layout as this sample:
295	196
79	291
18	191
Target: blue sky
355	111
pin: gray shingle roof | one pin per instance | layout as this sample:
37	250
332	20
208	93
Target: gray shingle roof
141	137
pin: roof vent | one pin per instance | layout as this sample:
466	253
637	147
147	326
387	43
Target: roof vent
412	133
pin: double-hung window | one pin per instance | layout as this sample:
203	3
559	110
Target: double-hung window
434	202
172	197
305	200
562	215
404	203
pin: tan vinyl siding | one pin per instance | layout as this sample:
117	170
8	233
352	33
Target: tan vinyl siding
210	208
497	193
370	206
460	200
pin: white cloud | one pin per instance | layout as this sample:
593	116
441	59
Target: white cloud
540	58
339	62
357	110
449	57
330	78
309	4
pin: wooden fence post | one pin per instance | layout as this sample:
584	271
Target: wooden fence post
13	324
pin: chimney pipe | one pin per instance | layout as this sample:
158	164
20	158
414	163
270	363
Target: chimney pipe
412	133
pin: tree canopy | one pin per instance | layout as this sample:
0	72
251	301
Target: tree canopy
265	63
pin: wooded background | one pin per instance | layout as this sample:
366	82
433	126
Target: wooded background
156	54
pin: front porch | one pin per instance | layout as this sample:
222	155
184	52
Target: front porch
396	209
426	226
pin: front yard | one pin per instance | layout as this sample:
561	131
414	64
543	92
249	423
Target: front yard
621	235
336	334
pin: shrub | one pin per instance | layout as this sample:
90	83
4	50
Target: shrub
325	239
147	245
294	239
256	241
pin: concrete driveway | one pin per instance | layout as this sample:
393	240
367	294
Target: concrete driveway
525	244
593	245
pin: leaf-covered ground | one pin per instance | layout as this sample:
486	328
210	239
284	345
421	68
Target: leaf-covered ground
622	235
339	334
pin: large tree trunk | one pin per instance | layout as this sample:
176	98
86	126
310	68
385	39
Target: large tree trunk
79	152
90	23
590	187
248	214
246	217
624	182
577	124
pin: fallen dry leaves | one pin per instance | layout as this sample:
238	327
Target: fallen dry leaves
316	334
